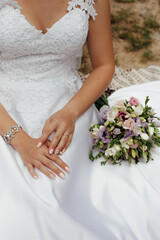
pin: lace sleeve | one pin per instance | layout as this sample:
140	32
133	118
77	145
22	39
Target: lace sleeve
14	4
85	5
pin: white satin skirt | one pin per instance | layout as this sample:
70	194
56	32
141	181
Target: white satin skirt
93	202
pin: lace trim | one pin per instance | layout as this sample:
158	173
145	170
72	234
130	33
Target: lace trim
85	5
15	4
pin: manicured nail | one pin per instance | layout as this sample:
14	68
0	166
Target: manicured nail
61	152
67	169
51	151
56	152
35	177
52	176
39	144
62	175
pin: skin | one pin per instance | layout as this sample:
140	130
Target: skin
42	153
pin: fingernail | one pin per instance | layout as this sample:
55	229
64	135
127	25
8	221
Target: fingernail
62	175
52	176
63	150
60	152
56	152
39	144
67	169
35	177
51	151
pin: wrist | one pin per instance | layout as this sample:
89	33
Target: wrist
72	110
18	141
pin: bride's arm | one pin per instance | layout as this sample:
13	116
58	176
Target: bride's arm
100	49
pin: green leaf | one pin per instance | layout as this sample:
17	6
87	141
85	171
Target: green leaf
147	100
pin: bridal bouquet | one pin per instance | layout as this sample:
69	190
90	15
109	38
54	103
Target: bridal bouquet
127	131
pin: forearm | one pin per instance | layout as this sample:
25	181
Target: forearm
91	90
6	121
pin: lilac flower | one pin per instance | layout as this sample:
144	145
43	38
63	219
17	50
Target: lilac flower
137	120
103	113
144	124
101	150
116	131
103	135
129	133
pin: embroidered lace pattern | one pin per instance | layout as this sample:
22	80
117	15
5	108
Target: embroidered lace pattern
33	65
85	5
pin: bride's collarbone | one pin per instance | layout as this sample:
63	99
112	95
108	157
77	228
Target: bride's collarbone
43	14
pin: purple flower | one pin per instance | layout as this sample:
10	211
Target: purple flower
103	135
103	113
116	131
137	120
144	124
129	133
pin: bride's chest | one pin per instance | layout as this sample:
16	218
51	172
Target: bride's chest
19	37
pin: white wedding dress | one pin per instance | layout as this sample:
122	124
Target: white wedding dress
38	76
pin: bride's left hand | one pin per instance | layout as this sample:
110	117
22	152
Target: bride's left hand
63	122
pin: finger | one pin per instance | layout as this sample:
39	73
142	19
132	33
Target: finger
56	138
48	143
62	143
31	170
56	159
44	170
67	144
47	162
46	132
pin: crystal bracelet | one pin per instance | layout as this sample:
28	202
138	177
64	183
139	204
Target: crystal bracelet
11	132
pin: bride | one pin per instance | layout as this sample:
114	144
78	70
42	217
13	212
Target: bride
49	188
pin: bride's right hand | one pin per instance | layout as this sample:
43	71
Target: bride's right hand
38	157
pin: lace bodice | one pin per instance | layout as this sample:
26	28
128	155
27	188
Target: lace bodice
33	64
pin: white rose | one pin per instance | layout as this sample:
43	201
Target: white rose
116	147
120	103
103	108
111	115
94	132
101	127
144	136
124	143
138	110
112	151
151	130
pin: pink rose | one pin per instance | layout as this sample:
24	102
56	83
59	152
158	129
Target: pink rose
133	101
122	115
129	124
120	104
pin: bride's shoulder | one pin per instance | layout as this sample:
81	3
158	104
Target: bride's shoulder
85	5
4	3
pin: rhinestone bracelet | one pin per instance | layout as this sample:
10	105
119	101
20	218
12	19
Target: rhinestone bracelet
11	132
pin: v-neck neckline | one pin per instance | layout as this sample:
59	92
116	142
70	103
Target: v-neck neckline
33	26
